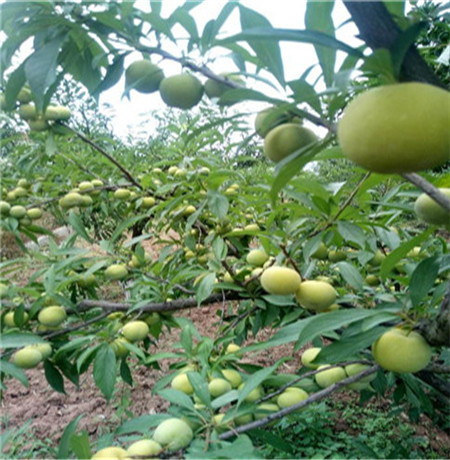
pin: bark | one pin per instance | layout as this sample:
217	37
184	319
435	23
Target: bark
379	30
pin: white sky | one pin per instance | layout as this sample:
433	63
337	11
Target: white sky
297	57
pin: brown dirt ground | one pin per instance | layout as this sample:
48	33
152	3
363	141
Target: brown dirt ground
49	411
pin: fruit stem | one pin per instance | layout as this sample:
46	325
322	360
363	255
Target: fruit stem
428	188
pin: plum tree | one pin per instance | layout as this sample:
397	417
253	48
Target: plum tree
187	215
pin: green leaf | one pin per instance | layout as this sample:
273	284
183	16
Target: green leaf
218	203
225	399
349	347
141	424
105	370
403	43
269	437
200	387
18	339
205	287
15	82
54	377
351	275
423	278
241	447
125	373
220	248
113	74
64	443
290	166
303	36
304	92
255	380
77	224
218	22
351	232
16	372
40	69
178	398
186	339
318	17
380	64
79	443
395	256
269	54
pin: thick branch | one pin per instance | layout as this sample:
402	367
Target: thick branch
429	189
378	29
173	305
311	399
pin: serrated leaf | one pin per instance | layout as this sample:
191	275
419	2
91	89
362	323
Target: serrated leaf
125	373
220	248
287	168
218	203
225	399
303	36
268	53
105	370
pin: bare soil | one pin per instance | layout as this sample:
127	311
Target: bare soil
51	411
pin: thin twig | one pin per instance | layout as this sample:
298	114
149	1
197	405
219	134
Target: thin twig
290	259
428	188
50	335
106	155
307	375
342	207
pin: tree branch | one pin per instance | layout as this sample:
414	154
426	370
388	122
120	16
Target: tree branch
106	155
429	189
311	399
173	305
379	30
